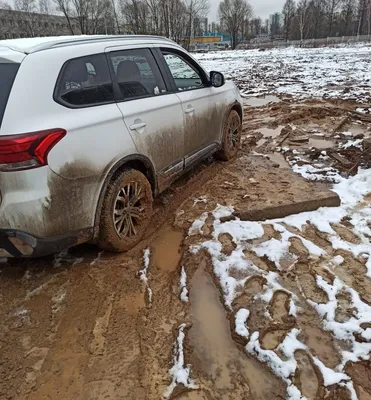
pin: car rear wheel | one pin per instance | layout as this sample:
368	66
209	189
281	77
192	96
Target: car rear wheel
126	211
231	137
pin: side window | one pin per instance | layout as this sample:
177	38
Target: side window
85	81
186	77
137	73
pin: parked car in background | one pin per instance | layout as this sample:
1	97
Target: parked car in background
92	128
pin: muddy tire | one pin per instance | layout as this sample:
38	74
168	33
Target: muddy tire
231	137
126	211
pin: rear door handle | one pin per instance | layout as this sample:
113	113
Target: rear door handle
139	125
189	110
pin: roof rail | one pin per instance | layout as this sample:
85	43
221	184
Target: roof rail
98	38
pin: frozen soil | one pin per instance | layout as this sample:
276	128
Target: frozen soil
341	72
206	307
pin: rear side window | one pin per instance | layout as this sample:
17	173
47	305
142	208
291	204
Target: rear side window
8	72
85	82
137	73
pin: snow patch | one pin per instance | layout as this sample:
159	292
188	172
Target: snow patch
183	285
143	274
241	318
179	373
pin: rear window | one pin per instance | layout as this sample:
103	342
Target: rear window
8	71
85	82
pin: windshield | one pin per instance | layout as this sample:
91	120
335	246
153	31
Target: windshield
8	71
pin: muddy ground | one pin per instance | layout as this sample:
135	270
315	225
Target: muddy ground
82	325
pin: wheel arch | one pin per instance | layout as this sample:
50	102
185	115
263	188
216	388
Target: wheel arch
237	107
137	162
234	106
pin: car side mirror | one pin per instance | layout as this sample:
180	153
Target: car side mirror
217	79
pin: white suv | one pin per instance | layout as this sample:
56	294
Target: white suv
92	128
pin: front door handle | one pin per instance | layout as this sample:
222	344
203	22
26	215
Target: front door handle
139	125
189	110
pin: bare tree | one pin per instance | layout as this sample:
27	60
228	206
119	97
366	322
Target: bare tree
28	19
331	7
348	14
316	9
362	16
194	9
234	14
4	5
288	17
65	7
303	18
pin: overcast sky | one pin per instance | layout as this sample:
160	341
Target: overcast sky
262	8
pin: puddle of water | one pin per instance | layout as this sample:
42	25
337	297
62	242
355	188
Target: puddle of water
268	133
213	345
260	101
167	249
320	143
279	159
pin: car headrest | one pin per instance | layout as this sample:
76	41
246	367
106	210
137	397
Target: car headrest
77	71
128	71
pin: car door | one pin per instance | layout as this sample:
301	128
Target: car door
152	114
203	105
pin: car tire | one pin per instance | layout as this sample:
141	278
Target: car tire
231	137
126	211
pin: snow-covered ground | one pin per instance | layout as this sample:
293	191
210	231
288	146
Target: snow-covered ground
352	192
340	72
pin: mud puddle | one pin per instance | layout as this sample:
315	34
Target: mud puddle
218	357
268	133
167	249
320	143
260	101
279	159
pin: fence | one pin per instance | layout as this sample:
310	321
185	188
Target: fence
330	41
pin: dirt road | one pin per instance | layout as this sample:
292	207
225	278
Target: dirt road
90	325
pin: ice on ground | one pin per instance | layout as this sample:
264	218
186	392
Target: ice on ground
352	143
197	225
241	322
183	285
284	369
97	260
301	73
330	377
143	274
202	199
179	373
357	210
64	257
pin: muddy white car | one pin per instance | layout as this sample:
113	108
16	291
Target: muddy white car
92	128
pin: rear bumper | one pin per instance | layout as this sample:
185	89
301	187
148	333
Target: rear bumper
15	243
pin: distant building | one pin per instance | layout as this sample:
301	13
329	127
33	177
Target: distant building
263	37
275	24
200	26
17	24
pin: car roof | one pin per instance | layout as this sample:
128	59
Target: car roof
32	45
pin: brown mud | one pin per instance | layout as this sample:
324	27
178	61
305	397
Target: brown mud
80	325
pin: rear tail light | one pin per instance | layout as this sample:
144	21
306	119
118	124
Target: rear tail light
28	150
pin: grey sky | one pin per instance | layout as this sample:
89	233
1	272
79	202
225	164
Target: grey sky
262	8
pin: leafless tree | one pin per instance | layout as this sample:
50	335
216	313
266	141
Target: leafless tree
303	18
331	7
65	7
4	5
235	13
194	9
288	17
28	19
